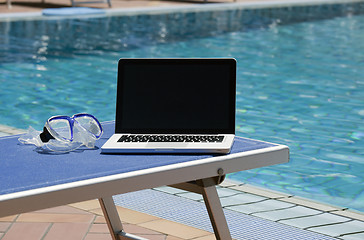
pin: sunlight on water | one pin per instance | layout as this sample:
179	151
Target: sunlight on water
297	84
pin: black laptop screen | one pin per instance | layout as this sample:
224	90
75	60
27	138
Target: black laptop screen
176	96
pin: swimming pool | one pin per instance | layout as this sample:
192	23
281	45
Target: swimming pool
300	80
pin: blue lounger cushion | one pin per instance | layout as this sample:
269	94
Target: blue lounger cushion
69	11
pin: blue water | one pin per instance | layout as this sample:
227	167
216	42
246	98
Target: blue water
299	84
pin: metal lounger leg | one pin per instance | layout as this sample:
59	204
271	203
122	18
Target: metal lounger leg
207	188
216	213
113	220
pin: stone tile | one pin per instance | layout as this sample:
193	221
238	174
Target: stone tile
28	231
170	190
134	217
175	229
358	236
260	191
99	228
173	238
317	220
55	217
87	205
242	198
153	237
311	204
98	236
294	212
350	214
4	226
100	219
191	195
62	210
10	130
3	134
69	231
138	230
208	237
8	218
226	192
228	183
268	205
97	211
336	230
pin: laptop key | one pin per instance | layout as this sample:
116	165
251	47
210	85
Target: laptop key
170	138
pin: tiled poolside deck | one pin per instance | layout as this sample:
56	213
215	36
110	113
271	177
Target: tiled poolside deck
252	213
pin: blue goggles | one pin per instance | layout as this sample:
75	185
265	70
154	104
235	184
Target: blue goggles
70	129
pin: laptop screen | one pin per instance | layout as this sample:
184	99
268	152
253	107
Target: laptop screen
176	96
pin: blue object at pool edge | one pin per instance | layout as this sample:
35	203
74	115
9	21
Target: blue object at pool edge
71	11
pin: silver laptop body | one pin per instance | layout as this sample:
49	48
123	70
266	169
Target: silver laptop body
174	106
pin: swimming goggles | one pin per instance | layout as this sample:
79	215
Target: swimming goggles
65	134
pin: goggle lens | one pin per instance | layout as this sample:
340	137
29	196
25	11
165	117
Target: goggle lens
90	124
61	127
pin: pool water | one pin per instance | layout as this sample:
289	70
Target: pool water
299	84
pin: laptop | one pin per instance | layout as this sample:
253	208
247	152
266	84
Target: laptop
174	106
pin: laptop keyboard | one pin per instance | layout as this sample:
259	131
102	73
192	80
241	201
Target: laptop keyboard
171	138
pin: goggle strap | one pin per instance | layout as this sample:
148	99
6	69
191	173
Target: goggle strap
45	136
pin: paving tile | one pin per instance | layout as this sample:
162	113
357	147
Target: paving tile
4	226
242	198
99	228
317	220
63	210
8	218
336	230
100	219
69	231
7	130
358	236
311	204
3	134
175	229
191	195
130	216
294	212
87	205
137	230
97	211
225	192
228	183
268	205
350	214
153	237
97	236
208	237
170	190
134	217
260	191
55	217
173	238
28	231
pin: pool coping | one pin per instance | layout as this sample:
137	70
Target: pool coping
4	17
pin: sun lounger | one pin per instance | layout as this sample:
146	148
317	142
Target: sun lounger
30	180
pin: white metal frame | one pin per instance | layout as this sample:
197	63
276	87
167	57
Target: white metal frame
208	171
206	187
